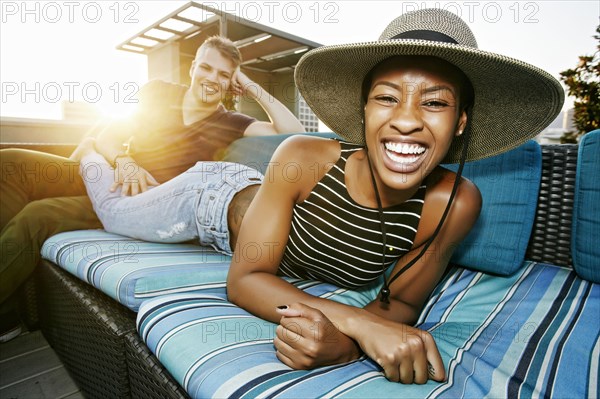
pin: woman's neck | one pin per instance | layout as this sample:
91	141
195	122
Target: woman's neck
361	189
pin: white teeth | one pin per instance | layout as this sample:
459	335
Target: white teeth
404	148
210	89
403	159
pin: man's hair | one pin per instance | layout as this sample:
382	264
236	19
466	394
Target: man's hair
225	46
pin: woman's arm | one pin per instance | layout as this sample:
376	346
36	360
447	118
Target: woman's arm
252	281
410	291
253	284
384	331
410	354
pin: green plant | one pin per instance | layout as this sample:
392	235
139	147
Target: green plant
583	83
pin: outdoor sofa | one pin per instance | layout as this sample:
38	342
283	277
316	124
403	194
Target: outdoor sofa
516	315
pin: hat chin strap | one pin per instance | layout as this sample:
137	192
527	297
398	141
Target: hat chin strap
384	292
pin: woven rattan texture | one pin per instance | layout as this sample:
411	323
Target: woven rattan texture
27	304
550	240
86	329
149	379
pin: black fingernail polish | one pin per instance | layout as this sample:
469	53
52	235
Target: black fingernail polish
430	369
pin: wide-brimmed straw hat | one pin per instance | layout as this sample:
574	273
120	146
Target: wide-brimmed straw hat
513	101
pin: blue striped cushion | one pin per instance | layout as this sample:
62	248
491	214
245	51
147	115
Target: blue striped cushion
131	271
535	333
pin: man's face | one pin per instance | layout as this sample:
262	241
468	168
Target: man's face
211	74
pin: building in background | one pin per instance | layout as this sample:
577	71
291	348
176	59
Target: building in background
559	126
568	121
269	55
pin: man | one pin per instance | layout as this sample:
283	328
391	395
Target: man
175	127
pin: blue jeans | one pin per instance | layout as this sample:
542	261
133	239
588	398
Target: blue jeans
190	206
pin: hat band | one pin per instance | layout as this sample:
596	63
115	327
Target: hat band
425	35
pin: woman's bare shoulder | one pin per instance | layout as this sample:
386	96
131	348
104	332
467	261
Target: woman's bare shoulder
300	162
465	209
306	149
441	182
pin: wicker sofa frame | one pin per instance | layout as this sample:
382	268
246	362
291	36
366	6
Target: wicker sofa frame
96	336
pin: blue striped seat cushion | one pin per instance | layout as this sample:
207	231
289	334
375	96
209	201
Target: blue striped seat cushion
131	271
534	333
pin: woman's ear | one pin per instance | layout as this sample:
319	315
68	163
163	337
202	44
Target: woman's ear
462	123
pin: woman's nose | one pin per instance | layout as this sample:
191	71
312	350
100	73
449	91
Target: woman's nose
406	117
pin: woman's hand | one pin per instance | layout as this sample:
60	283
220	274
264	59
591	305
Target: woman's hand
133	178
406	354
306	338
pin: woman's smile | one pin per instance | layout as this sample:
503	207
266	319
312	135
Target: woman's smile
403	157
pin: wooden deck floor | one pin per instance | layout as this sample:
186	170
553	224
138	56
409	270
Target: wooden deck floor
29	368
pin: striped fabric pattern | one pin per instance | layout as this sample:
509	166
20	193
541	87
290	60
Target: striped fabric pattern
535	333
334	239
131	271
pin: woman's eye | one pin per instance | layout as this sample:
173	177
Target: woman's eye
386	99
435	104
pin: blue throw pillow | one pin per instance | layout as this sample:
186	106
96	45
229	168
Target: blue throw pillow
256	152
586	209
509	185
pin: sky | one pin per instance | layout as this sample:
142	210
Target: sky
56	51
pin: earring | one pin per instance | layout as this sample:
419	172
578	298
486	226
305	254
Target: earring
460	132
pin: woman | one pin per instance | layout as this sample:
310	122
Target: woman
413	111
378	199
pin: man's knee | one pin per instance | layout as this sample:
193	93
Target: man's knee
41	212
55	215
19	166
10	160
34	223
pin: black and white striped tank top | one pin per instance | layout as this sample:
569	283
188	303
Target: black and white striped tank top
336	240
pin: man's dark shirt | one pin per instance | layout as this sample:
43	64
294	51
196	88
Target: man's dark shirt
164	146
